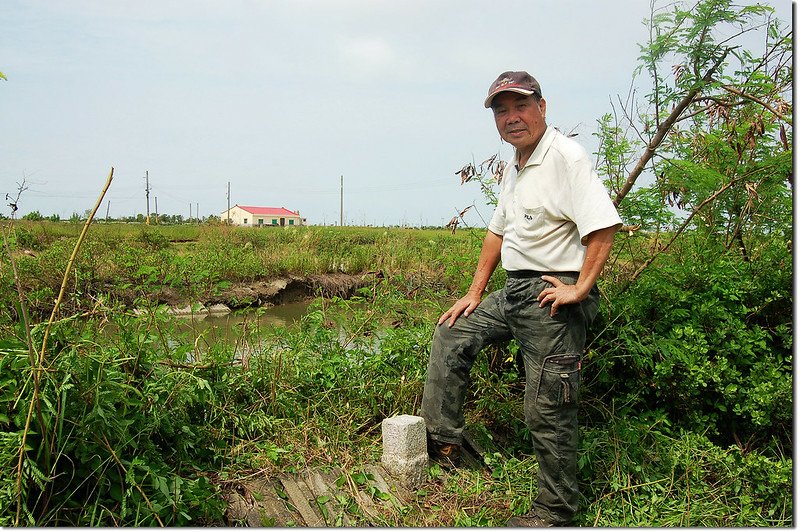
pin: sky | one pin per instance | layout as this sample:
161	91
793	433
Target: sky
356	109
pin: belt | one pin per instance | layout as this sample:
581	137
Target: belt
529	274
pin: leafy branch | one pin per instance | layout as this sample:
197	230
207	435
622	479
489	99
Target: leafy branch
661	133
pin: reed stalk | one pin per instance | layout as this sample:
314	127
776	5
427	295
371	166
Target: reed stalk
37	370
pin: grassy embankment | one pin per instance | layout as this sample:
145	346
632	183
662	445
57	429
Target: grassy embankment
120	429
132	261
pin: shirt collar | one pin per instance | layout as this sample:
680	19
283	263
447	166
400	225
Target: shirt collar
538	154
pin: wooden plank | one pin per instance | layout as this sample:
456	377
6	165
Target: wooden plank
276	506
310	498
369	509
320	489
256	504
375	508
367	506
239	510
402	493
397	493
377	478
344	498
474	455
299	497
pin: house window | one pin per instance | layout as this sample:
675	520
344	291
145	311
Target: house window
245	221
291	222
274	221
261	221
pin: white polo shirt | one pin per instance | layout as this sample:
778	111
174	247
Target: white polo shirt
546	209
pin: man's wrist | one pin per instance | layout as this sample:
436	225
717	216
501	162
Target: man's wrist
475	292
582	290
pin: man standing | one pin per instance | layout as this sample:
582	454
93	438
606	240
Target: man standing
553	229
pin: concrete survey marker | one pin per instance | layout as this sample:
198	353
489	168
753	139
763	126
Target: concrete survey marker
405	453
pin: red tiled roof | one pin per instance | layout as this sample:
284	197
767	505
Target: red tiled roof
268	211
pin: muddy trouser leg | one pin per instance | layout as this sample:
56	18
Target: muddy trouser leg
453	352
551	348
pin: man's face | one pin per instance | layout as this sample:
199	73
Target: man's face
520	119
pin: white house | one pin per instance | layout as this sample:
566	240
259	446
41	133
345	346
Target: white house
248	216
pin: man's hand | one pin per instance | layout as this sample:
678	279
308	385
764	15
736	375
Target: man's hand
559	294
464	306
598	247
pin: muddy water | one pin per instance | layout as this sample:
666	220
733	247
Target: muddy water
230	327
241	330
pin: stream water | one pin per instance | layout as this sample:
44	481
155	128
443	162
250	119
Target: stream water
211	329
231	328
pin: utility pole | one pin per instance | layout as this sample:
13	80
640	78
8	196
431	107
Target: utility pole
197	212
156	198
341	201
147	194
228	214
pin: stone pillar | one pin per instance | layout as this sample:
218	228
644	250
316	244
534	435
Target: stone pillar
405	451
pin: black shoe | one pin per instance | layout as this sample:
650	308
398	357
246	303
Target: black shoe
530	520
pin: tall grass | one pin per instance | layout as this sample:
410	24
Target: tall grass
137	261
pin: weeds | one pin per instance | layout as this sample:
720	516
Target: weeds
146	416
132	262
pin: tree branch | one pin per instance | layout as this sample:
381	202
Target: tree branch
765	105
662	131
37	371
680	230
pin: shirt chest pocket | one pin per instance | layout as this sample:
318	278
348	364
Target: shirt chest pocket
530	220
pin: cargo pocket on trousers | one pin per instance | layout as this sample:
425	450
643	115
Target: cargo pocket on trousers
560	380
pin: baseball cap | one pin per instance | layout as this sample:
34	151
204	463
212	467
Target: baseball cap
520	82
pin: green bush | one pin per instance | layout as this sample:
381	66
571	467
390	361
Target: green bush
638	470
703	337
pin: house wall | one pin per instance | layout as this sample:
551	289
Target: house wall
241	217
238	216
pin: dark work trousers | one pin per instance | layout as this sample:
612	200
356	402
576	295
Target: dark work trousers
551	348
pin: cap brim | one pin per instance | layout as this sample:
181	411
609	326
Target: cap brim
488	102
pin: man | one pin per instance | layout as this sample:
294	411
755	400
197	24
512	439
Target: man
553	229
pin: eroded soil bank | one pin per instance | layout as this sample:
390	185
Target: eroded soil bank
268	292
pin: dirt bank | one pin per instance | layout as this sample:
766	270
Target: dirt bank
277	291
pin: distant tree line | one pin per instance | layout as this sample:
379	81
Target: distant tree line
161	219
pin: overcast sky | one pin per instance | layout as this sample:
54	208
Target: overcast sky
284	98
